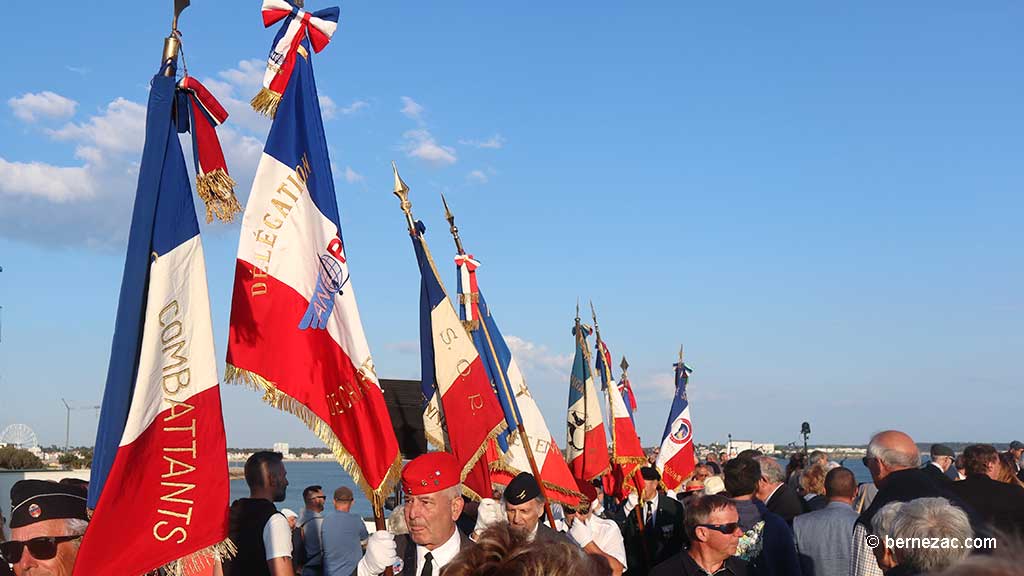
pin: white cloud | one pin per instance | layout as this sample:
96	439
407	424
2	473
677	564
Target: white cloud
55	183
477	177
421	144
31	107
120	128
537	358
354	107
351	176
248	74
494	142
410	108
78	70
328	109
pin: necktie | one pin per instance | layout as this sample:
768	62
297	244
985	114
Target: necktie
428	565
649	521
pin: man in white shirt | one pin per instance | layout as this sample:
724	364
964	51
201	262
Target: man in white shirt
433	501
597	535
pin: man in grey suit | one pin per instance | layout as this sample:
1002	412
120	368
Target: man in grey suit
823	537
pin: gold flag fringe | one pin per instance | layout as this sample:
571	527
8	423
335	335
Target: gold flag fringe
266	102
501	427
217	190
198	561
278	399
502	467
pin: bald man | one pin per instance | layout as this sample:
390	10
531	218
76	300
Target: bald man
895	465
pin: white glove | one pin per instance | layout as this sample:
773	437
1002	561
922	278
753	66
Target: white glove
581	533
381	553
490	513
631	501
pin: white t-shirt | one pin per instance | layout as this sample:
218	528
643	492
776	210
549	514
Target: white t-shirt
608	538
277	537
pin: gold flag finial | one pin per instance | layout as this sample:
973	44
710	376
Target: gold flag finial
680	352
451	226
402	191
624	366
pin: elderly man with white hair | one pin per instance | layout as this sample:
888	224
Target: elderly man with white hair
909	525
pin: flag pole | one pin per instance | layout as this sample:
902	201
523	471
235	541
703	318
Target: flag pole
172	44
611	416
504	382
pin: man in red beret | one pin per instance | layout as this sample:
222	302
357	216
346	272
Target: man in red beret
433	501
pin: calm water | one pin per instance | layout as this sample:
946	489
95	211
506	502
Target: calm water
301	473
330	475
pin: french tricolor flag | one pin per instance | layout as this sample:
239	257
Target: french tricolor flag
296	335
675	459
159	482
627	453
586	446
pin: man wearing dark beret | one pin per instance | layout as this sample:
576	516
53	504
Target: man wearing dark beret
524	506
48	520
663	533
942	458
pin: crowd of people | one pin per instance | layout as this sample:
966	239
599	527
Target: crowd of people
954	515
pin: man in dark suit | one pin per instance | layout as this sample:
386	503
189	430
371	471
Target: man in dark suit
998	503
524	507
772	489
433	502
663	534
942	458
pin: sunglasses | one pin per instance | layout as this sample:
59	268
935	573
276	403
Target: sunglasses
723	528
42	548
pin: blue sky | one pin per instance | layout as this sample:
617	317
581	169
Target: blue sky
820	201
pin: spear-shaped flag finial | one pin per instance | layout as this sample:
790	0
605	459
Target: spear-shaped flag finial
624	366
451	226
680	353
402	191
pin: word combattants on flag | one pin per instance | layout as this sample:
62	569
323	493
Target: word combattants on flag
514	396
586	444
455	384
161	433
675	459
295	333
627	452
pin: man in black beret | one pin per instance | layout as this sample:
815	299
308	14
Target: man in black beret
524	507
942	458
48	520
663	532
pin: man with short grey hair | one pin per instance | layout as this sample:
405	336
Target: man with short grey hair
928	520
772	489
48	521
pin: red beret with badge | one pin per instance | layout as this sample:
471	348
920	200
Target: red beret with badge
429	473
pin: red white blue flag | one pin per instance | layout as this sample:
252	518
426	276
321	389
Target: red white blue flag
586	444
159	482
295	334
514	396
458	397
627	453
675	459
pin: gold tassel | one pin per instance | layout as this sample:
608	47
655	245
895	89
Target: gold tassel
216	189
266	102
273	396
198	561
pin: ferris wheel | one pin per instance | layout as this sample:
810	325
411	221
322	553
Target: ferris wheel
19	436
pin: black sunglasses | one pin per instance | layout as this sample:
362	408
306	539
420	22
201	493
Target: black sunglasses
41	548
723	528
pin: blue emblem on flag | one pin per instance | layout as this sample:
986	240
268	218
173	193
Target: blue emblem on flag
329	282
